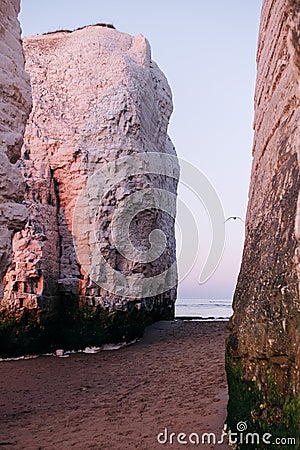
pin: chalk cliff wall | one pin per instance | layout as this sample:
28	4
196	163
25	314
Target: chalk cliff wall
15	103
263	352
97	96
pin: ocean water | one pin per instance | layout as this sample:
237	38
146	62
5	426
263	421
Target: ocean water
205	309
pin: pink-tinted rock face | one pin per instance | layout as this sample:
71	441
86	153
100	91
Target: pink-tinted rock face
15	103
265	328
97	96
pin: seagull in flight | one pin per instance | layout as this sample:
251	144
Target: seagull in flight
234	218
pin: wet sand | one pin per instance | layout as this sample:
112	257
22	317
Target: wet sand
173	378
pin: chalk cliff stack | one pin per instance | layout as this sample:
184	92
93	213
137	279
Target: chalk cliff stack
263	358
15	102
97	96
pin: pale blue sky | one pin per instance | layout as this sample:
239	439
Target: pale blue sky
207	51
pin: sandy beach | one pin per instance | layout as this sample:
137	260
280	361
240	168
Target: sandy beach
172	379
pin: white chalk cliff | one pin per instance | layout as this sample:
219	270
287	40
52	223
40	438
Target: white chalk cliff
97	96
15	103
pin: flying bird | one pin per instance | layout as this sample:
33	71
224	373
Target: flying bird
234	218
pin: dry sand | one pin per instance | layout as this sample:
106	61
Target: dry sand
119	400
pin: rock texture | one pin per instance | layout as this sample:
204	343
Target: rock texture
15	103
263	357
97	96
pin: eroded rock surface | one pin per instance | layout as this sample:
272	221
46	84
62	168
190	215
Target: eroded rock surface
97	96
15	103
264	347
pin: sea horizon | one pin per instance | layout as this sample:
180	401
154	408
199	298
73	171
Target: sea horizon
203	309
